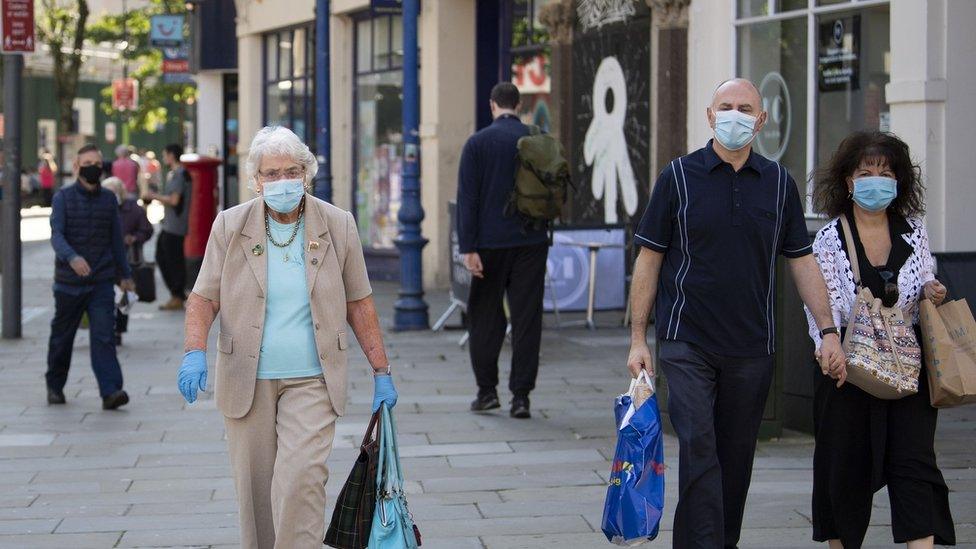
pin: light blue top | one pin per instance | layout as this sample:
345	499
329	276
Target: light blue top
288	344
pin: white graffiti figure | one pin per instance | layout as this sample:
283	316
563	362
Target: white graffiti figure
605	146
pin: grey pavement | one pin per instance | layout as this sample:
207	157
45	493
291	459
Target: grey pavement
156	474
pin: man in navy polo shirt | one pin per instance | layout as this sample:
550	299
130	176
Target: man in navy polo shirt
717	220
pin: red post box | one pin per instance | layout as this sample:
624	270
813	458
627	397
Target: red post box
203	209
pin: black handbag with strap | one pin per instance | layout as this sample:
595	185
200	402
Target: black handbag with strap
353	515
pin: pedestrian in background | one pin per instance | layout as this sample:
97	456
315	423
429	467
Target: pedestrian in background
285	273
126	169
862	442
504	255
169	245
47	170
86	235
716	222
152	172
136	231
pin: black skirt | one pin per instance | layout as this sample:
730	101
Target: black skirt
864	443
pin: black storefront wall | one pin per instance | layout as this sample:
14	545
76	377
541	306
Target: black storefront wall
617	138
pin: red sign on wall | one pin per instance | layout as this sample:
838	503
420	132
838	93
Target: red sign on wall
125	94
18	26
176	65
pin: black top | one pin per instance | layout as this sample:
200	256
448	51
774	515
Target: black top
873	276
720	232
486	179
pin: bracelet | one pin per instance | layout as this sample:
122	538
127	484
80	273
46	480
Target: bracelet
383	371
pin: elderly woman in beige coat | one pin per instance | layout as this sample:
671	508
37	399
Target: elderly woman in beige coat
285	274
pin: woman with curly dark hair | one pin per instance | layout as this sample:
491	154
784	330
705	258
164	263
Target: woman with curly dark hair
862	442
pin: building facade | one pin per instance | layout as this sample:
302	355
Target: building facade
626	80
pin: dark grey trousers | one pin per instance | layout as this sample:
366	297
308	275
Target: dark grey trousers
716	406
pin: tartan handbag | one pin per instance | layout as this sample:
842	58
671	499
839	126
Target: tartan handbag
353	515
883	355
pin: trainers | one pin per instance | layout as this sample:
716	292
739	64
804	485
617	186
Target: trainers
114	400
54	396
485	402
520	407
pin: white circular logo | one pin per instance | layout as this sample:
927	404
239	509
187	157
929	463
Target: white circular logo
775	135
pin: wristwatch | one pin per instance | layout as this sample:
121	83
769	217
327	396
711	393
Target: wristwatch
383	371
830	330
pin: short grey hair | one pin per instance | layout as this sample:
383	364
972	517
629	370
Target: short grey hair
279	141
114	184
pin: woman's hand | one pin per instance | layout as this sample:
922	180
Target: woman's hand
935	292
192	376
837	370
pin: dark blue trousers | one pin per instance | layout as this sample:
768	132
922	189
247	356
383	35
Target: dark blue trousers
716	406
99	303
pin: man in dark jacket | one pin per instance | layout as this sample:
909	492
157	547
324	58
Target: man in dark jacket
90	258
503	255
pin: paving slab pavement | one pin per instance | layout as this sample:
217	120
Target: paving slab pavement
156	474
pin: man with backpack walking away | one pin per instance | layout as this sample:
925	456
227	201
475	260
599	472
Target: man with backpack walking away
169	246
511	183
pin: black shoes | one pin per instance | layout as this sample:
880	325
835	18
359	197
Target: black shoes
55	396
489	401
114	400
485	402
520	407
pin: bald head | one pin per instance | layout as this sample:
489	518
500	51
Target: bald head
736	93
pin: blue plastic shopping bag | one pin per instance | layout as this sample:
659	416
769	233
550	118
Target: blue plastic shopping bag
635	497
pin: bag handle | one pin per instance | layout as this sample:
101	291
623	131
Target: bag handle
634	381
389	477
370	435
851	250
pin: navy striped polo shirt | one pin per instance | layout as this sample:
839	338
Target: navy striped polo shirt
720	232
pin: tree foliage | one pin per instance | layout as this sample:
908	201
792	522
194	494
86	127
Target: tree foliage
155	97
61	26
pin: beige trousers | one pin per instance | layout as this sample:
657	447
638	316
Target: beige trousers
278	452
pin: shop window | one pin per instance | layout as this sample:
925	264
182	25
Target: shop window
815	96
852	70
531	61
289	66
379	129
772	54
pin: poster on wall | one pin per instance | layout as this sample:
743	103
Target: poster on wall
838	54
611	123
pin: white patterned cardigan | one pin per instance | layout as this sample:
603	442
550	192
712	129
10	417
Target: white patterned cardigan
917	271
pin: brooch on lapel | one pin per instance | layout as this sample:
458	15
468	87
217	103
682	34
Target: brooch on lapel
257	250
313	245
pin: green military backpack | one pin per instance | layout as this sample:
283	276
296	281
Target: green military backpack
541	179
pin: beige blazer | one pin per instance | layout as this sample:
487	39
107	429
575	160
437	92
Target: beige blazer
235	274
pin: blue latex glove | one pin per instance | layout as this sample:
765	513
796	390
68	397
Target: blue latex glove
383	391
193	375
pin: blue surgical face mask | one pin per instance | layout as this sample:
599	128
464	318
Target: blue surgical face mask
875	193
734	129
283	196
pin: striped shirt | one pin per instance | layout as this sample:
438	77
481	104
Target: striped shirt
721	232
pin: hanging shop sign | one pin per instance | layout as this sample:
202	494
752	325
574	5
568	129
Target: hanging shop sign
125	94
166	31
18	25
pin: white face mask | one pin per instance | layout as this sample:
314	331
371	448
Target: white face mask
734	129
